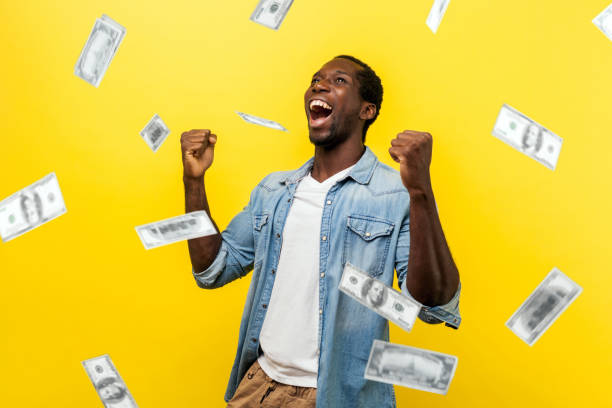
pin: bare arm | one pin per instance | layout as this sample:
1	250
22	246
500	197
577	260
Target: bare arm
203	250
432	277
197	148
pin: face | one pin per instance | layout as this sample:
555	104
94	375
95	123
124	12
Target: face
110	391
333	105
376	292
532	136
30	212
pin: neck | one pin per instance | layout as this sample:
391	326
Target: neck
329	161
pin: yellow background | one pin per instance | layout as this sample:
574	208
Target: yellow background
83	285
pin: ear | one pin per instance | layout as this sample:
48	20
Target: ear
368	111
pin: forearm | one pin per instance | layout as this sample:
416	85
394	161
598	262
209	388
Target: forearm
432	276
203	250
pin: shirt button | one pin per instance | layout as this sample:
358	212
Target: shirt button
253	339
273	271
264	306
277	235
328	202
322	274
324	238
320	311
289	200
367	234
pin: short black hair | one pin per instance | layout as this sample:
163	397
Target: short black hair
370	88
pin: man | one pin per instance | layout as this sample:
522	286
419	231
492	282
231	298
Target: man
302	340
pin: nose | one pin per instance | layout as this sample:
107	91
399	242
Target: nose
320	86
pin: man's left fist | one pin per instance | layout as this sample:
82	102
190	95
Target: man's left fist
412	150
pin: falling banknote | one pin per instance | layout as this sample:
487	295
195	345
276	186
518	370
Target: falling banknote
155	132
378	297
436	13
260	121
99	50
411	367
271	13
545	304
31	207
527	136
109	385
188	226
604	21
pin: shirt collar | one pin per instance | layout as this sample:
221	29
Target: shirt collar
361	172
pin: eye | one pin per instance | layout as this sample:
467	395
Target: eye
340	79
314	81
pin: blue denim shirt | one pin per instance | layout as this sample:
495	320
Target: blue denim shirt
365	222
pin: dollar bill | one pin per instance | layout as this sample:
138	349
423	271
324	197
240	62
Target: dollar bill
411	367
527	136
604	21
99	50
436	13
108	383
378	297
271	13
187	226
31	207
155	132
260	121
545	304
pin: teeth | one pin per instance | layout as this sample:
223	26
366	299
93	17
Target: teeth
318	102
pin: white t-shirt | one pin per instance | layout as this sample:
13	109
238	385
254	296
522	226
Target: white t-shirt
289	335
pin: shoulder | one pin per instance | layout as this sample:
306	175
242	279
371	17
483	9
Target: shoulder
386	180
273	180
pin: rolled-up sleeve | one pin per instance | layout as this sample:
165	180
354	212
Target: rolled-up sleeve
235	257
448	313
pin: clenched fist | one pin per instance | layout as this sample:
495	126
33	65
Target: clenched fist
412	150
197	146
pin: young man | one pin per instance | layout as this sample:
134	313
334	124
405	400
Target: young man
301	340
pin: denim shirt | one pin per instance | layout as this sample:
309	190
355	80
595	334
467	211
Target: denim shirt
365	222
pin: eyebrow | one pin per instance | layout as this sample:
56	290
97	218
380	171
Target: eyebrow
337	72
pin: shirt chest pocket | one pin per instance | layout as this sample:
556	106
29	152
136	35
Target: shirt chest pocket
366	242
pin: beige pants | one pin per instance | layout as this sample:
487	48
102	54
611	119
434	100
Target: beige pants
257	390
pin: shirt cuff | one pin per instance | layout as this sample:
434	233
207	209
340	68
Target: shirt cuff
207	277
448	313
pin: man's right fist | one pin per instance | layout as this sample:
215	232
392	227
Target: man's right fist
197	147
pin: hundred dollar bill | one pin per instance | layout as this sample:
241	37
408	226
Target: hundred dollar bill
99	50
436	13
411	367
545	304
271	13
187	226
604	21
378	297
260	121
108	383
155	132
527	136
31	207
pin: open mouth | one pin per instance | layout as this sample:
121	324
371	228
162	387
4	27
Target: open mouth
319	112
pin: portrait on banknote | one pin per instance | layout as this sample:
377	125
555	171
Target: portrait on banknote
373	292
31	207
111	390
532	139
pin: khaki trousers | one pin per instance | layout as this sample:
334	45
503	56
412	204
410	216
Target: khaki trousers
257	390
